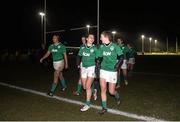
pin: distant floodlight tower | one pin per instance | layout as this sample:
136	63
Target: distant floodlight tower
176	45
114	33
150	40
142	37
88	26
42	14
155	41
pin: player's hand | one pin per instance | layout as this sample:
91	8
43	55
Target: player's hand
125	61
41	60
116	67
78	66
118	64
66	66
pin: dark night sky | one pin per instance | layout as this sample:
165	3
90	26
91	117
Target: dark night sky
154	18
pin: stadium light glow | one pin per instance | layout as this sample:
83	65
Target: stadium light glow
113	32
155	40
150	50
150	39
88	26
43	31
41	14
142	36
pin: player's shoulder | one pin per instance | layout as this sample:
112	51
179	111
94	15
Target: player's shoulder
115	45
82	46
51	45
94	46
126	46
133	49
61	44
101	45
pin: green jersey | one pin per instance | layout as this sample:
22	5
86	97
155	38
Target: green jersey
89	54
57	51
132	53
125	50
83	45
109	54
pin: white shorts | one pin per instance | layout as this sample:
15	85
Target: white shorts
88	72
124	65
131	61
109	76
58	65
81	65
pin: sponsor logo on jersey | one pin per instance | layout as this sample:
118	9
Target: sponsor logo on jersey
106	53
59	46
86	54
54	50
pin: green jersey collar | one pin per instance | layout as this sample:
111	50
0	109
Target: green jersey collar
57	44
89	47
108	44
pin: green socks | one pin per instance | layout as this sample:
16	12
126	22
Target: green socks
53	87
88	103
104	104
79	87
63	83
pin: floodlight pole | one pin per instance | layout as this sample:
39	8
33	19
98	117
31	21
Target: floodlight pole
45	23
142	37
150	40
42	31
97	22
176	45
42	14
167	45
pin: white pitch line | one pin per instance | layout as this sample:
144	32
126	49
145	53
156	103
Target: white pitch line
112	111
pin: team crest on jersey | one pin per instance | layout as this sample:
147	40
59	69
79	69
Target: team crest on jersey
112	48
91	50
